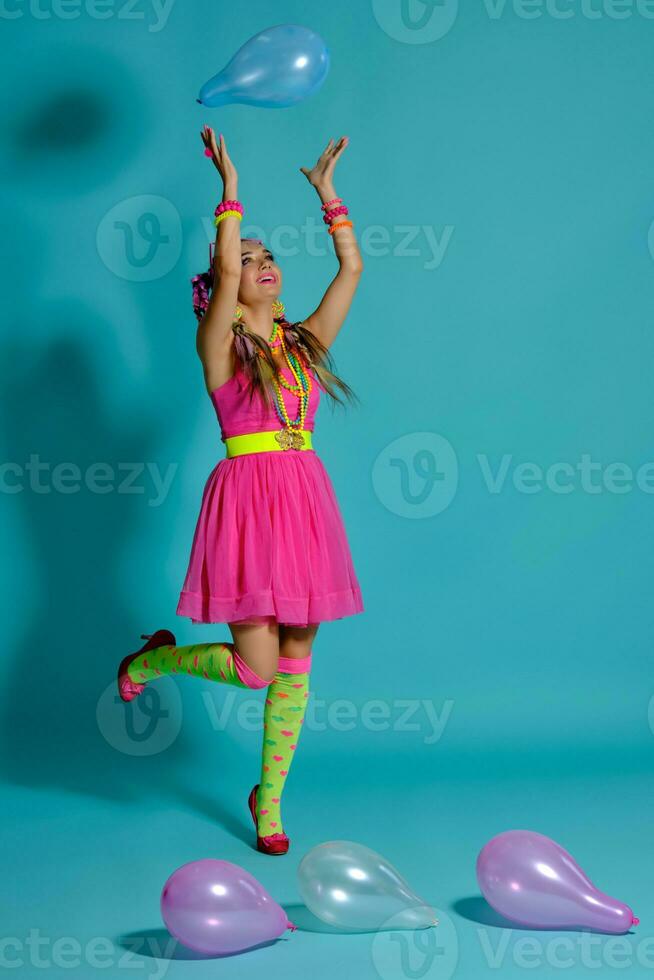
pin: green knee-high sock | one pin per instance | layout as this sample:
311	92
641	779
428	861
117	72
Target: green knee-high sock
214	661
284	710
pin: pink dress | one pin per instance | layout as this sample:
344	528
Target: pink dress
269	544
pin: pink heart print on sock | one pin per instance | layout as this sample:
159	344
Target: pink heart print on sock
281	721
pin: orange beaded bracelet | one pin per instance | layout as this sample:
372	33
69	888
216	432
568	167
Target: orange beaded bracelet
340	224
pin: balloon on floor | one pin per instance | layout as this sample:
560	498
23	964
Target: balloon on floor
347	884
532	880
276	68
214	906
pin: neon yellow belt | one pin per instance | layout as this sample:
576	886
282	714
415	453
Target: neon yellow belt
264	442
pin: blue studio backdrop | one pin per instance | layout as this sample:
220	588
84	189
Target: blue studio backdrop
496	480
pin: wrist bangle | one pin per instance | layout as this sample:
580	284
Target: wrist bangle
340	224
334	212
229	206
327	204
226	214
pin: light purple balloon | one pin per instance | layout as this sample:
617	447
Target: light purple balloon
214	906
529	878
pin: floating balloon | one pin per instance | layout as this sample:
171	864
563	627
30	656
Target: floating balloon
532	880
215	906
276	68
346	884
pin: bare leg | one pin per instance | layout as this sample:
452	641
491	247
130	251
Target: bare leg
258	646
296	641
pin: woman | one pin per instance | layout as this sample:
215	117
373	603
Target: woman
270	556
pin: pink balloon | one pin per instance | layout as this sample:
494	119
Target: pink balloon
532	880
214	906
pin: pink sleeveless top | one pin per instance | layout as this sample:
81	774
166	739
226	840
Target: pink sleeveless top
236	415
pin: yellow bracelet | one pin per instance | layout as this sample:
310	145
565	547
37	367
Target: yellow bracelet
340	224
223	214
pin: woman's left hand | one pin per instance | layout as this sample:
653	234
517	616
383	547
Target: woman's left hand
322	173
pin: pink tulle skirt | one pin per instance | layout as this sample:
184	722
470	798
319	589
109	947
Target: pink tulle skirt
270	545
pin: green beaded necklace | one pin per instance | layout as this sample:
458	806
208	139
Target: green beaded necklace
290	435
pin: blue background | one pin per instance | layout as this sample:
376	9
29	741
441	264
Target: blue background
521	619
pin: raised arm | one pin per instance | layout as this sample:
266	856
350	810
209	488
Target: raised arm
326	321
214	338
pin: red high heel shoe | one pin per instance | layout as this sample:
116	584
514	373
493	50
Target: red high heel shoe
271	843
127	688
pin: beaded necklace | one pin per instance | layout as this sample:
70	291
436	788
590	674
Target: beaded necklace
290	436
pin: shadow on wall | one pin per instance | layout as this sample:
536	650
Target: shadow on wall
74	129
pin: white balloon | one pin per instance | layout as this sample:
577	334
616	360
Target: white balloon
348	885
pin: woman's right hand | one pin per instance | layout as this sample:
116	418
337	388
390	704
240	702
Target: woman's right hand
220	157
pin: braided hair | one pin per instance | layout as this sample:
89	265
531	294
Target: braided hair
256	357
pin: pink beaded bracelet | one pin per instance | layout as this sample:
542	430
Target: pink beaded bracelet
334	213
327	204
228	206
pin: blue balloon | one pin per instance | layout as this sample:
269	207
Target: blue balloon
276	68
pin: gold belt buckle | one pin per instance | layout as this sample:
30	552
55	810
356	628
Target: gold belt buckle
289	439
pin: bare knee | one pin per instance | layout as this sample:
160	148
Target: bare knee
296	641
